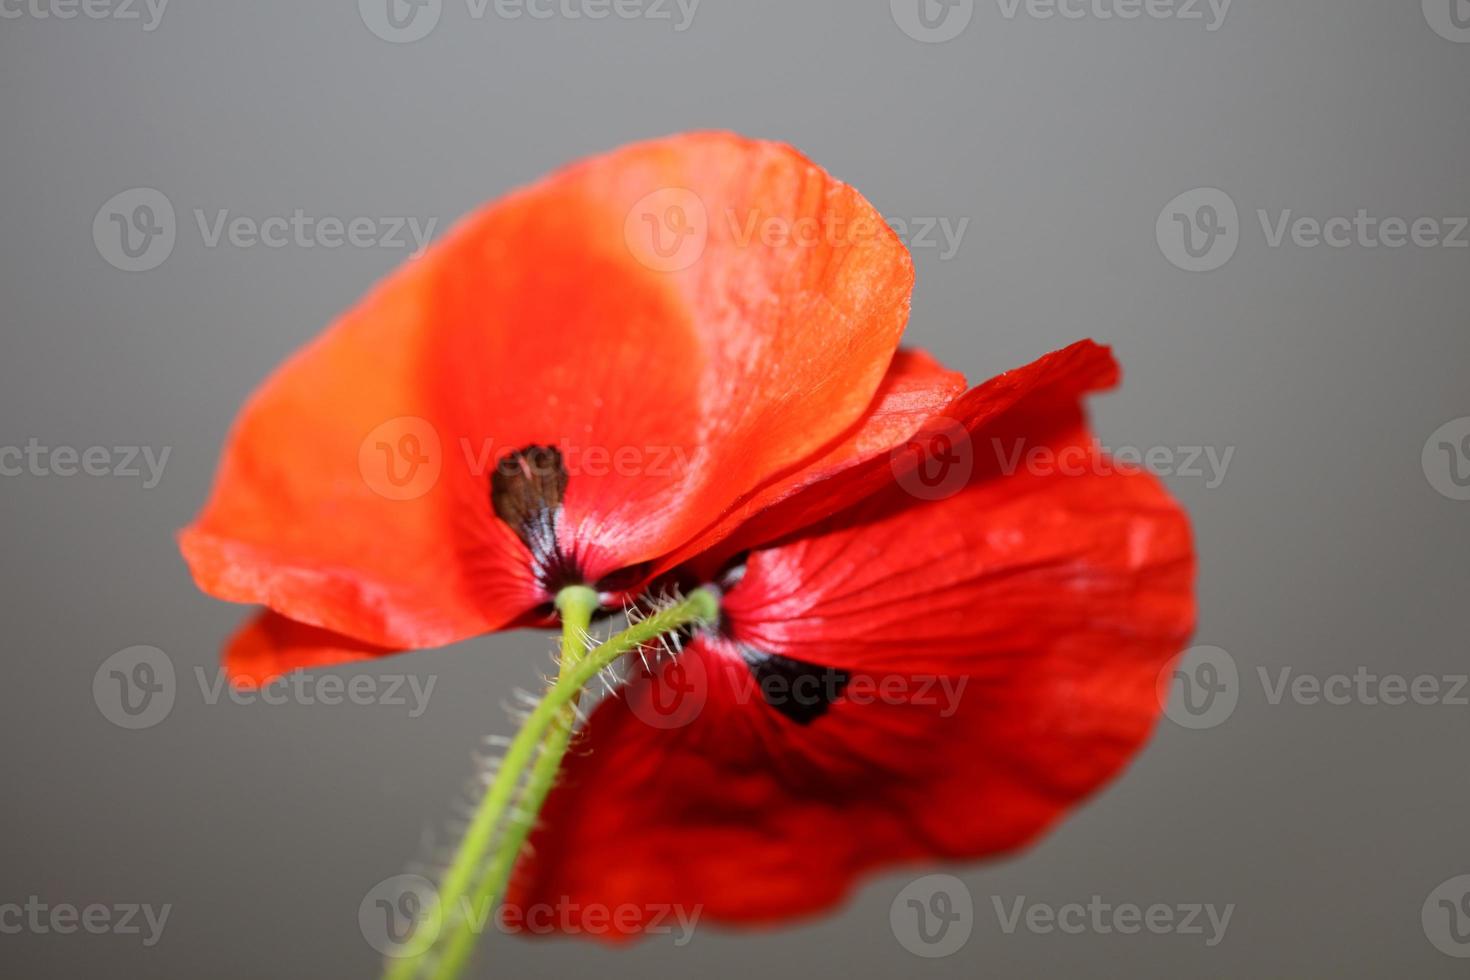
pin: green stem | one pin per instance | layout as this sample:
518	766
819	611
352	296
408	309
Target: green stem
545	737
576	604
576	608
555	715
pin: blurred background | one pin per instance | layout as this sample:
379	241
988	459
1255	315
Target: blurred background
1137	172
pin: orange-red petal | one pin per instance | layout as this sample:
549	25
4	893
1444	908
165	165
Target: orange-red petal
916	390
675	384
268	646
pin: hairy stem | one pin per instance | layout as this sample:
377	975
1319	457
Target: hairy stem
541	744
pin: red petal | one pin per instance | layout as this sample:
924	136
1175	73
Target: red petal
746	817
549	318
270	645
916	389
1056	599
978	579
1052	383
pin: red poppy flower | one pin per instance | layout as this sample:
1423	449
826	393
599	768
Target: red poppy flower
907	680
908	665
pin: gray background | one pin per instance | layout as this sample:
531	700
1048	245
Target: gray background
1324	549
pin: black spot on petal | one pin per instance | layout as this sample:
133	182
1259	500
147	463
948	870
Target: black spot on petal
526	491
801	691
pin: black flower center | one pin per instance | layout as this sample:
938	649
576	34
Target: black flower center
526	490
801	691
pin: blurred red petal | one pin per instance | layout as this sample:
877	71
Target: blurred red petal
269	645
